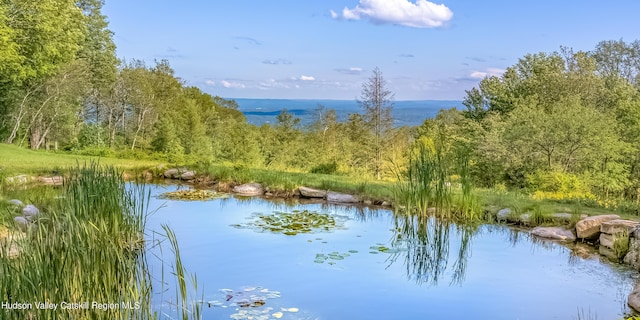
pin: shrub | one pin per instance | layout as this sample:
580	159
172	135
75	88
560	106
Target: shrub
325	168
556	185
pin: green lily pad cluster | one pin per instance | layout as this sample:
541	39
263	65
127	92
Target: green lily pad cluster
250	303
293	223
380	248
322	258
192	194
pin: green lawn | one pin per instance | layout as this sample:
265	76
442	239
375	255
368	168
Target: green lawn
15	160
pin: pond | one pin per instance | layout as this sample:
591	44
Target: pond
256	259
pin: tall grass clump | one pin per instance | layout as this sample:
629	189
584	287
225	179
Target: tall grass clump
424	184
88	248
467	203
185	309
537	216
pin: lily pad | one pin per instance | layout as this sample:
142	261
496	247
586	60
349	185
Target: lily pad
321	258
192	194
383	249
293	223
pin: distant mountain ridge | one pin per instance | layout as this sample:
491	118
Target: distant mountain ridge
405	112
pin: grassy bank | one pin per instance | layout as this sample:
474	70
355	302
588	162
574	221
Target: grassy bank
14	160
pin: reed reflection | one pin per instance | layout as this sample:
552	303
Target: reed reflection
425	242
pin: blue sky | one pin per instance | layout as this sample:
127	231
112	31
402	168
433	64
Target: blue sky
326	49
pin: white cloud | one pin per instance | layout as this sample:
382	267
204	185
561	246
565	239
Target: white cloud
421	14
307	78
489	72
276	61
210	82
273	83
232	84
351	70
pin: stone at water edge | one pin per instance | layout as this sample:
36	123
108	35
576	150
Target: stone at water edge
22	223
606	240
341	197
618	225
171	173
554	233
633	256
188	175
609	253
249	189
589	228
503	214
634	298
312	193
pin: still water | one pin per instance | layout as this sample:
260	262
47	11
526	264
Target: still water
372	265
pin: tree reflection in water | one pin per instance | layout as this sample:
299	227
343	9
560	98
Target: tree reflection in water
424	243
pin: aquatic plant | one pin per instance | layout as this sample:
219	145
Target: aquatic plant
292	223
467	204
185	309
538	217
88	249
85	248
424	184
192	194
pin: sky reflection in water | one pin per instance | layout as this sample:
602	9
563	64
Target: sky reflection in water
432	269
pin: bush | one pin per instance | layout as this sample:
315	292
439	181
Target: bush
97	152
133	154
555	185
325	168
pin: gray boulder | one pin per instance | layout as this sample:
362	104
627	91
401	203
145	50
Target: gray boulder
30	212
589	228
606	240
609	253
341	197
21	223
633	255
51	181
187	175
171	173
249	189
312	193
554	233
16	203
503	214
618	225
634	298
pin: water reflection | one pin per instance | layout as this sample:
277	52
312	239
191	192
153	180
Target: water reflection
361	213
425	243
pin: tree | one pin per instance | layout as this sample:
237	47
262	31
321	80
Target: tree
619	59
98	51
376	101
44	36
